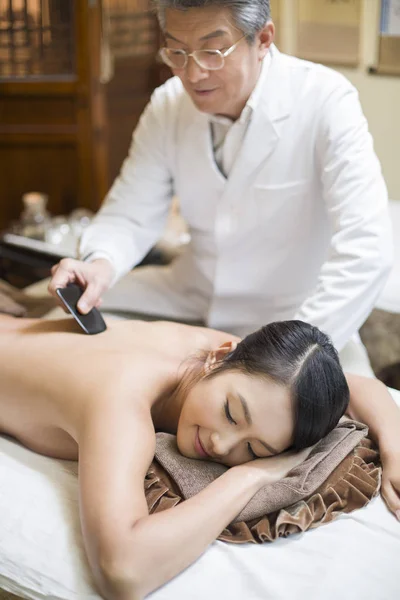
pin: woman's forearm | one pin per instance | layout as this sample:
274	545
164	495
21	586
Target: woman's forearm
372	404
161	545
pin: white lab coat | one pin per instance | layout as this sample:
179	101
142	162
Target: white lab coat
299	229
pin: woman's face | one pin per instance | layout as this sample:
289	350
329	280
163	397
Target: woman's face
233	418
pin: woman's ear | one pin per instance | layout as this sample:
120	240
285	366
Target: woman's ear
215	356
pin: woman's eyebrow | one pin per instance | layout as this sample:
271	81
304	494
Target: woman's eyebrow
249	421
246	411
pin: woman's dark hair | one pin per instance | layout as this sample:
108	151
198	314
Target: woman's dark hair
301	357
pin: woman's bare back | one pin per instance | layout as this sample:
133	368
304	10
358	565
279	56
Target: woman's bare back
52	374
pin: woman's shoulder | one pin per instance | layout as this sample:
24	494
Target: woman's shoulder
160	336
200	338
206	338
122	395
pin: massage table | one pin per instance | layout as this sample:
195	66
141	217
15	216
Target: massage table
41	553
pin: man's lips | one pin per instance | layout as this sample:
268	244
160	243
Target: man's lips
204	92
198	446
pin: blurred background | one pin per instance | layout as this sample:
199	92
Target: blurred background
75	76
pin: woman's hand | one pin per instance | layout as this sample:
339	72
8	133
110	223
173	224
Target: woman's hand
390	489
274	468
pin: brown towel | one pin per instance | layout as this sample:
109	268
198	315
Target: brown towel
341	474
18	303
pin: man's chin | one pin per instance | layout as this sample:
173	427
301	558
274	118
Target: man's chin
206	104
212	109
204	108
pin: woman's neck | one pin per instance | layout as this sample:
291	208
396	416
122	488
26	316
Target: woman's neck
166	411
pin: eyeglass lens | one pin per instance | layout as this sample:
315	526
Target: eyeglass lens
204	58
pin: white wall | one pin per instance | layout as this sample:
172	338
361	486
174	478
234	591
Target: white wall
379	95
380	98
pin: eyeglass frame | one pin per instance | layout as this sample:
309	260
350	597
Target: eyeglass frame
187	55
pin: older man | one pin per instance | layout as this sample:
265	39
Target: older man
275	171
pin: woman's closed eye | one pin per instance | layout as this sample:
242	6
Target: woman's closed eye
228	414
251	451
233	422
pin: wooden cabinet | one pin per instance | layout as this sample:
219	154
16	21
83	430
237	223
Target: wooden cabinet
133	38
64	127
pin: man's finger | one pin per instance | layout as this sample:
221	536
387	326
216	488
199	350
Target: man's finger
59	280
64	273
90	297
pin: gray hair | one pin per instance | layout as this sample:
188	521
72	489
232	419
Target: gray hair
249	16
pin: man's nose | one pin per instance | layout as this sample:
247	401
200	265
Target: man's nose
222	444
194	73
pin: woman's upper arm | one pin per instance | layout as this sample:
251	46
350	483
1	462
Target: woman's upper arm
115	450
356	385
365	392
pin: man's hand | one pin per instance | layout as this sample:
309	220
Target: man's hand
391	480
94	278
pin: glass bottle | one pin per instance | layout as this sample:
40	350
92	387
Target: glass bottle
34	217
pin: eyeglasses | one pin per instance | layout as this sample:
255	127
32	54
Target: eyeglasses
211	60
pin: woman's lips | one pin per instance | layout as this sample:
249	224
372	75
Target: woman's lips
198	446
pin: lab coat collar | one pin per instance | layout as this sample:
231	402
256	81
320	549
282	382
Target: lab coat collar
274	105
253	100
276	99
271	93
256	94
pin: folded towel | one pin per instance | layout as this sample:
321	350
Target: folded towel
340	474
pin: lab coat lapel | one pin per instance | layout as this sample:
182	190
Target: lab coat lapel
267	121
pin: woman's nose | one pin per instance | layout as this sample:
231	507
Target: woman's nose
222	444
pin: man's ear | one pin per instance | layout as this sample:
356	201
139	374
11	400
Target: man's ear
265	37
215	356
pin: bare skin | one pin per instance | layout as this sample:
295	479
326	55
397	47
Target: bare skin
133	355
101	398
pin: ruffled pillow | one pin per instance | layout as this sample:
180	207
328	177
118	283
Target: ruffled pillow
348	482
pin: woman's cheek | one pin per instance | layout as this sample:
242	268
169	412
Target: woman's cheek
237	457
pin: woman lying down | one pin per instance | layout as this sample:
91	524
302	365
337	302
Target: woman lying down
255	405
